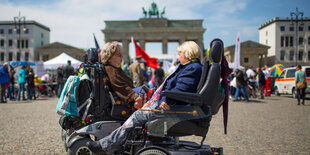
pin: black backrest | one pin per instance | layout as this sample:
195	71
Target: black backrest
203	77
211	97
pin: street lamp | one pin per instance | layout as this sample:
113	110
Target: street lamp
18	22
296	15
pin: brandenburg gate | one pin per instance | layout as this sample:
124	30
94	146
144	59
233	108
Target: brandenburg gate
156	29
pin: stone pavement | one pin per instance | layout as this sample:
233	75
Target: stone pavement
275	125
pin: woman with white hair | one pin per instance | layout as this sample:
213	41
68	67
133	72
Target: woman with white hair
185	79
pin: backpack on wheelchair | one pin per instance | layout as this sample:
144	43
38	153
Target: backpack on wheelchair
159	135
90	105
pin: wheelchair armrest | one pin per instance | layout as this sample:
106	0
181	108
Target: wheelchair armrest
191	98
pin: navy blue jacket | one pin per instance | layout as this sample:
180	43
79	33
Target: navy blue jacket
185	79
4	75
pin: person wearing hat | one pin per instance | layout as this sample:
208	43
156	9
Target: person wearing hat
136	73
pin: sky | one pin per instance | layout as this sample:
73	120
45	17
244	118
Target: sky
74	22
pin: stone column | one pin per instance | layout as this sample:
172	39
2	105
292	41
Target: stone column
125	51
255	61
181	41
265	59
165	46
203	52
142	44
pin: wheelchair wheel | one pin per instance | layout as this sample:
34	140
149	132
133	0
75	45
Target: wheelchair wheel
80	148
153	150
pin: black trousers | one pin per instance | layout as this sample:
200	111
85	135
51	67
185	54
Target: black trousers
301	95
2	92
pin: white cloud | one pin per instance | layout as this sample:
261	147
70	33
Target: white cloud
74	21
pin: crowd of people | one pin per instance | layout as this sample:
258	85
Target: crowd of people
142	74
243	83
248	83
25	84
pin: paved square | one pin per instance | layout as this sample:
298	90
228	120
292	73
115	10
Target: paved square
275	125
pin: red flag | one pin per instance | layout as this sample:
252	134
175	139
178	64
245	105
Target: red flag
152	62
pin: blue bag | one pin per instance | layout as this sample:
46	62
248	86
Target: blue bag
66	103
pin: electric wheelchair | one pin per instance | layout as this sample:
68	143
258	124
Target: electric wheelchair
159	136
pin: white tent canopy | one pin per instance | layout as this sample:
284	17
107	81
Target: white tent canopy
63	58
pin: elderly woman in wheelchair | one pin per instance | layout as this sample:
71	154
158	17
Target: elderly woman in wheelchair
117	79
183	105
185	79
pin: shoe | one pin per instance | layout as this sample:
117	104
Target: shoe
95	147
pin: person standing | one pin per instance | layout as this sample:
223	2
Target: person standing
159	75
267	87
136	73
60	79
4	79
241	84
21	82
251	76
68	70
11	85
300	77
144	72
261	81
30	85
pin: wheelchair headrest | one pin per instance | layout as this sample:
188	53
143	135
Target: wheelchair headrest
91	55
216	50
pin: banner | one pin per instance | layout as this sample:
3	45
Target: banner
237	53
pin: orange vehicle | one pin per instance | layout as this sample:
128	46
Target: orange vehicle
285	83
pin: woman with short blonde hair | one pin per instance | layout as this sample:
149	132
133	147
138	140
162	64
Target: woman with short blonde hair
189	49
